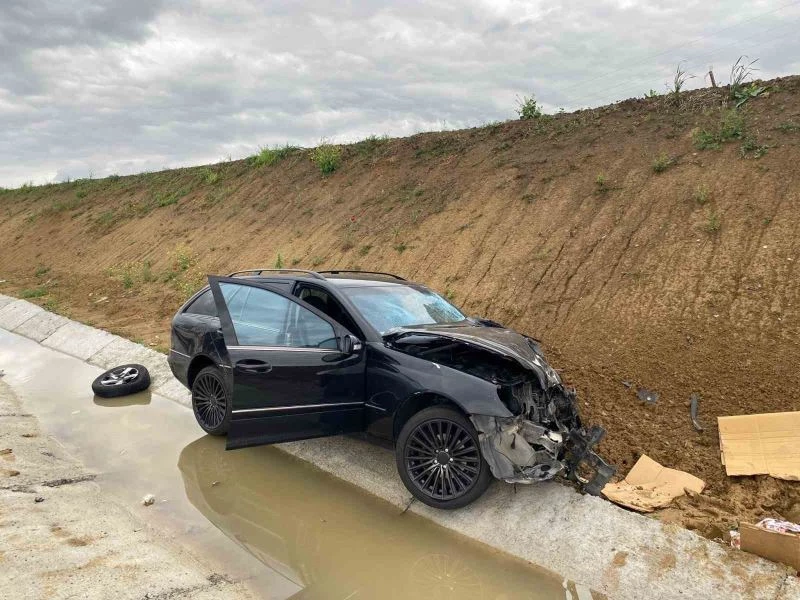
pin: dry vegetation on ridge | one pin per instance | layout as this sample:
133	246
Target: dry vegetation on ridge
652	242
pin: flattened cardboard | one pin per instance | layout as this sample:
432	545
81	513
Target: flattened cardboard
762	444
650	485
774	545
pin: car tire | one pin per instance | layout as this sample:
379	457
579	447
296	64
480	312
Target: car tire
121	381
211	401
439	459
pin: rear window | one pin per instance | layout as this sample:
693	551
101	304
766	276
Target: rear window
203	305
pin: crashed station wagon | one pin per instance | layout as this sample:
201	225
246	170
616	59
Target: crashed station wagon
274	355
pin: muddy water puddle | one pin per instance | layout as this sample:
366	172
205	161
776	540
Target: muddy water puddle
258	514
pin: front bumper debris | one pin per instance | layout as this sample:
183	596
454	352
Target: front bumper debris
521	451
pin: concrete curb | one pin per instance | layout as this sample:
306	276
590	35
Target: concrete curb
586	539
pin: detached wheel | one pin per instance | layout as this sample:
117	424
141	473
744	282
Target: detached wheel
121	381
211	401
439	459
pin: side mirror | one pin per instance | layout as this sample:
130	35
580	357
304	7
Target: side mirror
350	344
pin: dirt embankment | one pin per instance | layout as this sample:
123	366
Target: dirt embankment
645	243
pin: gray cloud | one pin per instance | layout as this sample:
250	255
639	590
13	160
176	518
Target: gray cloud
119	86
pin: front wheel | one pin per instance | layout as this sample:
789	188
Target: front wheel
211	401
439	459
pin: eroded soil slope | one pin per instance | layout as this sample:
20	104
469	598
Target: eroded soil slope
634	253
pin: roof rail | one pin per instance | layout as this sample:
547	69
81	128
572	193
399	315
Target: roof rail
338	271
313	274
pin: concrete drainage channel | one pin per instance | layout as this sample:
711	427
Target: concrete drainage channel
583	538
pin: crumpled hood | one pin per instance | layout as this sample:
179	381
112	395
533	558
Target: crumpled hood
496	339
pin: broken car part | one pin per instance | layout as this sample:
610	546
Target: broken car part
543	437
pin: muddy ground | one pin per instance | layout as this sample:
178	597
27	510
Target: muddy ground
651	243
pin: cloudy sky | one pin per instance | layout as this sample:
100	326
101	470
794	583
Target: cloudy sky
121	86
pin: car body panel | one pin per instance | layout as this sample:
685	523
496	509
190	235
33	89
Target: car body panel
281	392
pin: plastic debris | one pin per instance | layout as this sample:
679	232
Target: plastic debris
736	539
148	499
694	400
646	395
38	499
779	526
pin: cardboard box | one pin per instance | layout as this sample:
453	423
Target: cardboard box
774	545
650	485
763	444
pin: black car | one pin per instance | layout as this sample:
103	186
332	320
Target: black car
278	355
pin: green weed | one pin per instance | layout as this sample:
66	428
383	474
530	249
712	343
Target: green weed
33	293
327	157
400	247
678	82
183	257
751	148
705	140
279	261
267	157
713	223
600	183
208	176
371	144
163	199
364	250
662	162
81	194
41	271
740	73
317	261
788	127
701	194
731	127
528	109
127	278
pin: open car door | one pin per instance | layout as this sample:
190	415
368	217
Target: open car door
293	372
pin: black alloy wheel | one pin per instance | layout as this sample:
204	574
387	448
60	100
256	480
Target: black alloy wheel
210	401
121	381
439	459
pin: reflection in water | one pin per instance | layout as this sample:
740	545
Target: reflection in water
336	542
142	398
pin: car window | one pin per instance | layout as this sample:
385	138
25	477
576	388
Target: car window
326	303
203	305
387	307
263	318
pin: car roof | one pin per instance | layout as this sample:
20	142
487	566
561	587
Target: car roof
342	279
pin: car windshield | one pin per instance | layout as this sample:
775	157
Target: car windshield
387	307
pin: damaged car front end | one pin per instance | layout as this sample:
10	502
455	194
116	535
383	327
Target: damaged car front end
541	435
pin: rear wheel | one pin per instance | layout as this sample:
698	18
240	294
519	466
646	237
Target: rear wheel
439	459
211	401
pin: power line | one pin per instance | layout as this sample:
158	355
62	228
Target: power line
701	61
679	46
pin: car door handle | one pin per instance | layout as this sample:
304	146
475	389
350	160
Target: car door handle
252	365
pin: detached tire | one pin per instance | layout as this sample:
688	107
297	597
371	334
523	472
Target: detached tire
439	459
122	381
